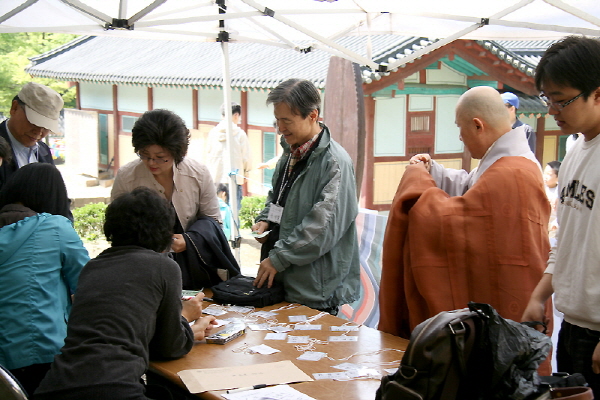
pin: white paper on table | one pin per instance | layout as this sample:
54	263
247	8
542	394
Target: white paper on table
311	356
259	327
214	311
343	338
391	371
274	373
297	318
298	339
264	314
344	328
280	329
240	309
220	323
331	375
279	392
263	349
307	327
347	366
275	336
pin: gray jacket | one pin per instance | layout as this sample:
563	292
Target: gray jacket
316	255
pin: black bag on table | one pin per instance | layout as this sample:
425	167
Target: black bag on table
240	291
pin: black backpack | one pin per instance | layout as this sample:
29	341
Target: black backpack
240	291
464	354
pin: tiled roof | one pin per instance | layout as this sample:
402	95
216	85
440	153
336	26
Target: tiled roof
253	66
193	64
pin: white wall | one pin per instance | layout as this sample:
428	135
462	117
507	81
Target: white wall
210	101
446	132
96	96
133	98
390	126
177	100
259	113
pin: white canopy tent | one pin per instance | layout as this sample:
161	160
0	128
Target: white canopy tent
304	25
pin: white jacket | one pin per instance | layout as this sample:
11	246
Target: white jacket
242	160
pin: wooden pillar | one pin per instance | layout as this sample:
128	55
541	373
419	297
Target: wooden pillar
77	96
195	106
117	128
366	189
540	133
150	99
244	104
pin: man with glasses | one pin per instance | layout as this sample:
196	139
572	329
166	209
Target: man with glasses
33	114
511	101
568	75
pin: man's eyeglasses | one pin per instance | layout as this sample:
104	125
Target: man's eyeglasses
156	160
556	105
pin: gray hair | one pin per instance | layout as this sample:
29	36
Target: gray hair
300	95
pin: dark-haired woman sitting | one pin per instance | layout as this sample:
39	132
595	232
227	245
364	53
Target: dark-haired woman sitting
128	308
41	257
160	139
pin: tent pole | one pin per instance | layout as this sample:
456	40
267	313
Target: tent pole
228	159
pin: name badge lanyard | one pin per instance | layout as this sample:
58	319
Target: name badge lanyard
276	210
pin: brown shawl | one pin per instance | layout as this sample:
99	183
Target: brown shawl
440	252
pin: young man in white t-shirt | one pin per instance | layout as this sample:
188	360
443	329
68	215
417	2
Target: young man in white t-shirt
568	76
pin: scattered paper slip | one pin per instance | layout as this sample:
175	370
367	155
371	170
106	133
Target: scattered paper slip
240	309
347	366
264	314
275	336
391	371
343	338
298	339
344	328
279	392
220	322
338	376
311	356
307	327
205	379
297	318
263	349
214	311
281	329
259	327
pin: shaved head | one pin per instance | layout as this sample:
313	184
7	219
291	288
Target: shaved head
485	103
482	118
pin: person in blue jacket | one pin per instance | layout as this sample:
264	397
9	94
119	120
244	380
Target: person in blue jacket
41	257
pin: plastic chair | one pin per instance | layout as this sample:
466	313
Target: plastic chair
10	388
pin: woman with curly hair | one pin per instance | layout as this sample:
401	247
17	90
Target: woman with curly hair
128	309
160	139
41	257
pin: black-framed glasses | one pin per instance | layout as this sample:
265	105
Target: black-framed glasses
556	105
156	160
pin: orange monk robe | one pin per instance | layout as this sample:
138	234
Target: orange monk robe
440	252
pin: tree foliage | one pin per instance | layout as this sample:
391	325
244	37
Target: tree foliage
15	51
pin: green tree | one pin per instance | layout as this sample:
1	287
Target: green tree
15	51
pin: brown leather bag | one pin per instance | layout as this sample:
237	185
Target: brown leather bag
572	393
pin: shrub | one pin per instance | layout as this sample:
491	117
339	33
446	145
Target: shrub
251	207
89	221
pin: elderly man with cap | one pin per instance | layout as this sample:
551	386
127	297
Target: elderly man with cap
511	101
34	113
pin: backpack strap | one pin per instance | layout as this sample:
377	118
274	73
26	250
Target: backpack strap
462	337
